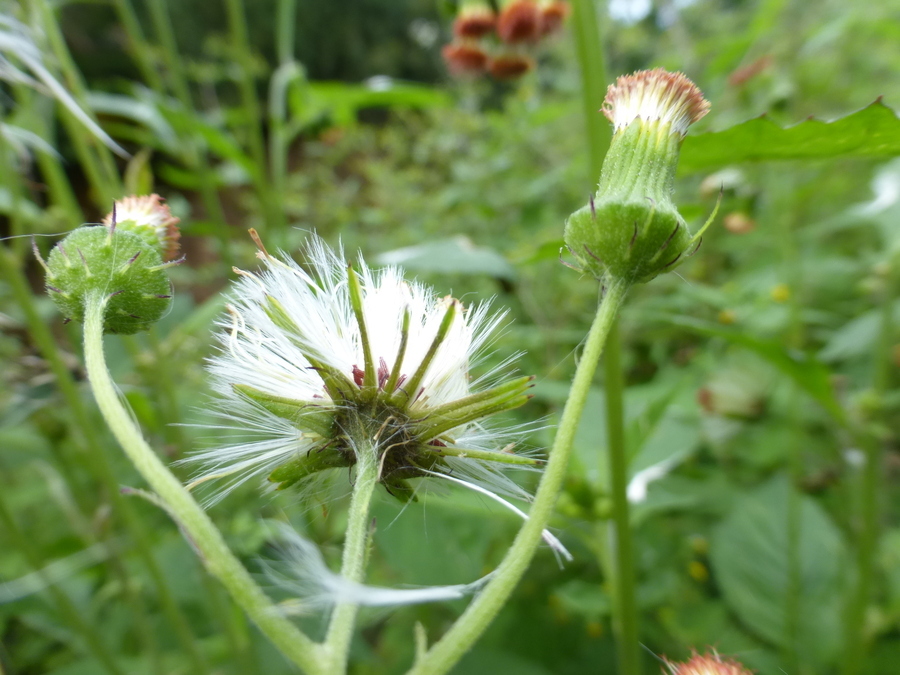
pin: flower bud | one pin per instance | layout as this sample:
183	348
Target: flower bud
149	218
463	58
519	21
105	261
510	66
553	14
631	231
475	20
707	664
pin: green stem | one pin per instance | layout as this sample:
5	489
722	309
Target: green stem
192	519
95	457
589	47
618	564
870	489
783	207
340	630
468	628
629	649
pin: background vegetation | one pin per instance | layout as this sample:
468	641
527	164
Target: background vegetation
762	378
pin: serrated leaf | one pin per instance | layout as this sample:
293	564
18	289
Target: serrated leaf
873	131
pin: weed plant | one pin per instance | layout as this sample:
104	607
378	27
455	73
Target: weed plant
733	477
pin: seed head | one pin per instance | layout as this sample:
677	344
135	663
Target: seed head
319	363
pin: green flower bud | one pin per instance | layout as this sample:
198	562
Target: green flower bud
148	217
104	261
631	231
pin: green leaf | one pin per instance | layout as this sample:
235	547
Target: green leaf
807	371
749	552
873	131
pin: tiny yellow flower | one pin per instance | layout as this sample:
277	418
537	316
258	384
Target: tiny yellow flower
781	293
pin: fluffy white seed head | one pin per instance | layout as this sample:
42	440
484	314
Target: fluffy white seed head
259	352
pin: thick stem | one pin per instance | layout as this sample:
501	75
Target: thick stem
340	630
468	628
193	520
871	487
629	649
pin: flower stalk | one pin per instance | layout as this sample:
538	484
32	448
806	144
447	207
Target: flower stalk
340	629
445	653
191	518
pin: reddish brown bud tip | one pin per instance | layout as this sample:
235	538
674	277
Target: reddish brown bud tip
553	15
707	664
655	96
520	21
510	66
465	59
474	22
149	217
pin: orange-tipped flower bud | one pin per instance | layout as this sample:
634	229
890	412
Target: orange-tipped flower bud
465	59
519	21
510	66
150	218
475	20
707	664
631	230
553	15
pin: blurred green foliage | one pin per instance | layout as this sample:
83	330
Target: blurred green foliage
762	378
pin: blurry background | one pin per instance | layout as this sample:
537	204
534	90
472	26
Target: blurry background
750	372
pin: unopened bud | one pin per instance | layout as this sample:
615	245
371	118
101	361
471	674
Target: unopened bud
510	66
519	21
148	217
465	58
553	14
475	20
707	664
631	231
109	262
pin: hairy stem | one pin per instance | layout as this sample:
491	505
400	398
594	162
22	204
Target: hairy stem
468	628
192	519
340	630
629	649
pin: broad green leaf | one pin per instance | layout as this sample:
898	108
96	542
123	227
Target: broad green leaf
856	338
808	372
341	101
749	552
873	131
